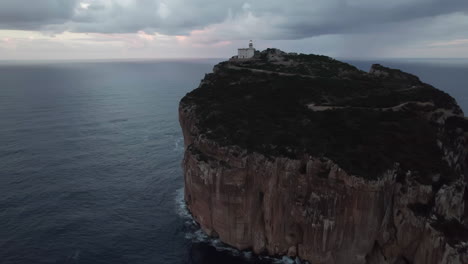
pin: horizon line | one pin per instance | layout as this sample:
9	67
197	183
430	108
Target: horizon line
58	60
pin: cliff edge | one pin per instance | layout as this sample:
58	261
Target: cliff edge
307	156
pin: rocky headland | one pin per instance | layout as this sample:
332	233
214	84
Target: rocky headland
307	156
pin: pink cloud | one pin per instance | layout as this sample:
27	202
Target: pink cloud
222	43
145	36
456	42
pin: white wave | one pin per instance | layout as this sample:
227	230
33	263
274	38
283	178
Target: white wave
179	144
183	212
181	206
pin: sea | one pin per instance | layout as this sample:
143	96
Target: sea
90	160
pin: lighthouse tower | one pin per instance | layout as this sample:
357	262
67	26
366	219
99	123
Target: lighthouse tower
246	53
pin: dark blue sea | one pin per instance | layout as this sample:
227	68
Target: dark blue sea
90	160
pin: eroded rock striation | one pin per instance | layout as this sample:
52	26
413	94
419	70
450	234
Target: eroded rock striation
306	156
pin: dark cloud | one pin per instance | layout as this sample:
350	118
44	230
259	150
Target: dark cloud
27	14
267	19
341	17
168	17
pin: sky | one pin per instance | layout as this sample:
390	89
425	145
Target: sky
116	29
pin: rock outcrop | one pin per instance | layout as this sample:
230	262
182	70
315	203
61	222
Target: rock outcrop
306	156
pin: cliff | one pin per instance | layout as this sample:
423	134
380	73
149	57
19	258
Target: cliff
306	156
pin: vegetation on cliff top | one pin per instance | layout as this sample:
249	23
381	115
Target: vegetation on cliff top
267	105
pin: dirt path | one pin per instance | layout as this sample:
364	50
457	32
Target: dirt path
269	72
399	107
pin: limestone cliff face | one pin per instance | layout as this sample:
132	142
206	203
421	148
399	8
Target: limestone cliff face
299	203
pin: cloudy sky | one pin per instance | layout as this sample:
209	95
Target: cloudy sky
98	29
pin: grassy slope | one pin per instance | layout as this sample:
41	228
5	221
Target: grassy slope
267	113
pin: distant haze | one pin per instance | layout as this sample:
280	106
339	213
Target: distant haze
115	29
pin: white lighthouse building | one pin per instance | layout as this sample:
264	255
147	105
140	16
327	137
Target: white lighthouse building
246	53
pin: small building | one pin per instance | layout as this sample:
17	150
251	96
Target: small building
246	53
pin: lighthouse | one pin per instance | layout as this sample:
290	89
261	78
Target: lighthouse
246	53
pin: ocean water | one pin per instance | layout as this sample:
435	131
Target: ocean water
90	161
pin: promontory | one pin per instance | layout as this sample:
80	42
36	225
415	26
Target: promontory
310	157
